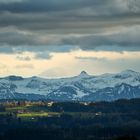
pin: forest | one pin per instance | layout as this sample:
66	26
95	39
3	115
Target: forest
48	120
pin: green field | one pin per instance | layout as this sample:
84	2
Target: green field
32	114
29	112
3	113
13	109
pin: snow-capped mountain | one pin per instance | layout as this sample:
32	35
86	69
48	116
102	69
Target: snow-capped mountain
83	87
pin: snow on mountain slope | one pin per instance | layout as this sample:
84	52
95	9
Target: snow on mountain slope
81	87
111	80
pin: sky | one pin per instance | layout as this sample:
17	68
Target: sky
61	38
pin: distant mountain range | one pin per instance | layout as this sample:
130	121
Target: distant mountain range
84	87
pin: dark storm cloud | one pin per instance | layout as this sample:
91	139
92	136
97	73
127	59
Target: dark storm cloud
16	38
58	24
31	19
49	5
101	6
123	40
67	14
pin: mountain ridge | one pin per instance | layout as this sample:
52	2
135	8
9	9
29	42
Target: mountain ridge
83	87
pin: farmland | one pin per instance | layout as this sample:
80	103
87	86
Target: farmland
62	120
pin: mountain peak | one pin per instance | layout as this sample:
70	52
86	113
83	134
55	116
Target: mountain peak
128	71
14	78
83	73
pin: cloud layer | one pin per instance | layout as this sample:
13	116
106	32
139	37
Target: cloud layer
35	34
38	26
